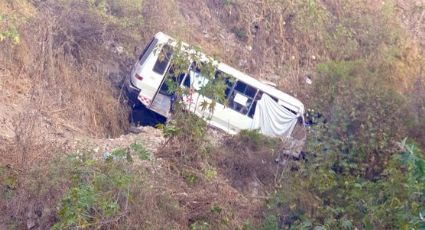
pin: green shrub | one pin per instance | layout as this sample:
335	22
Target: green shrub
8	29
330	197
364	115
190	178
8	181
210	173
186	128
256	140
216	209
240	34
270	222
141	152
99	192
200	225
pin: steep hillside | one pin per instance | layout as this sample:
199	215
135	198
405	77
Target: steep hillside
67	159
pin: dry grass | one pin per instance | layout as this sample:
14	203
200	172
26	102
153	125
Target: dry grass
204	193
67	59
160	196
62	53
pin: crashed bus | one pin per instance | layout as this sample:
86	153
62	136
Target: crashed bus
250	104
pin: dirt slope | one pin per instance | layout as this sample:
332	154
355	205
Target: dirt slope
60	87
70	61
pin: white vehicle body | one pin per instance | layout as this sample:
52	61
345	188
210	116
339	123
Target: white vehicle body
243	92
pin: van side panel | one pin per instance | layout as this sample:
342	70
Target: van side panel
222	117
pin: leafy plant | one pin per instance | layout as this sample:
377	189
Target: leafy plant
362	120
257	140
99	193
8	29
240	34
210	173
325	192
8	181
216	209
125	13
185	127
121	153
190	178
141	152
200	225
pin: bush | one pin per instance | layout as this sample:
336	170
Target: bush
9	32
99	192
321	196
363	114
80	191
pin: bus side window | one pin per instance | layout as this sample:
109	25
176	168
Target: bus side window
254	104
180	78
177	77
171	75
242	97
186	81
228	80
229	86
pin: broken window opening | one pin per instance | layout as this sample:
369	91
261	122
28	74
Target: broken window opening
242	97
163	60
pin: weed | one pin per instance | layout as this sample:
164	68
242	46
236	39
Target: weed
98	194
248	225
216	209
210	173
190	178
119	154
365	117
270	222
317	205
257	140
240	34
200	225
8	182
140	151
169	130
8	29
228	2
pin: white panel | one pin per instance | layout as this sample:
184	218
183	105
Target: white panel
240	99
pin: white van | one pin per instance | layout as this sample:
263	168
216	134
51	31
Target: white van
250	103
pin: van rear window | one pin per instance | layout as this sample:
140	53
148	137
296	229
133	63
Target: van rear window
164	58
148	49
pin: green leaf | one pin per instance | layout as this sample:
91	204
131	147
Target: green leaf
141	152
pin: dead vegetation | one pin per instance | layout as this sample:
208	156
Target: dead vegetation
69	66
59	83
151	193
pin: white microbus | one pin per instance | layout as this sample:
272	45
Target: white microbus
251	104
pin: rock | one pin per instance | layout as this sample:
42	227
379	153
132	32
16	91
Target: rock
135	129
31	224
119	49
308	80
254	187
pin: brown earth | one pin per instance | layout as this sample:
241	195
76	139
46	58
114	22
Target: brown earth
46	74
60	86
